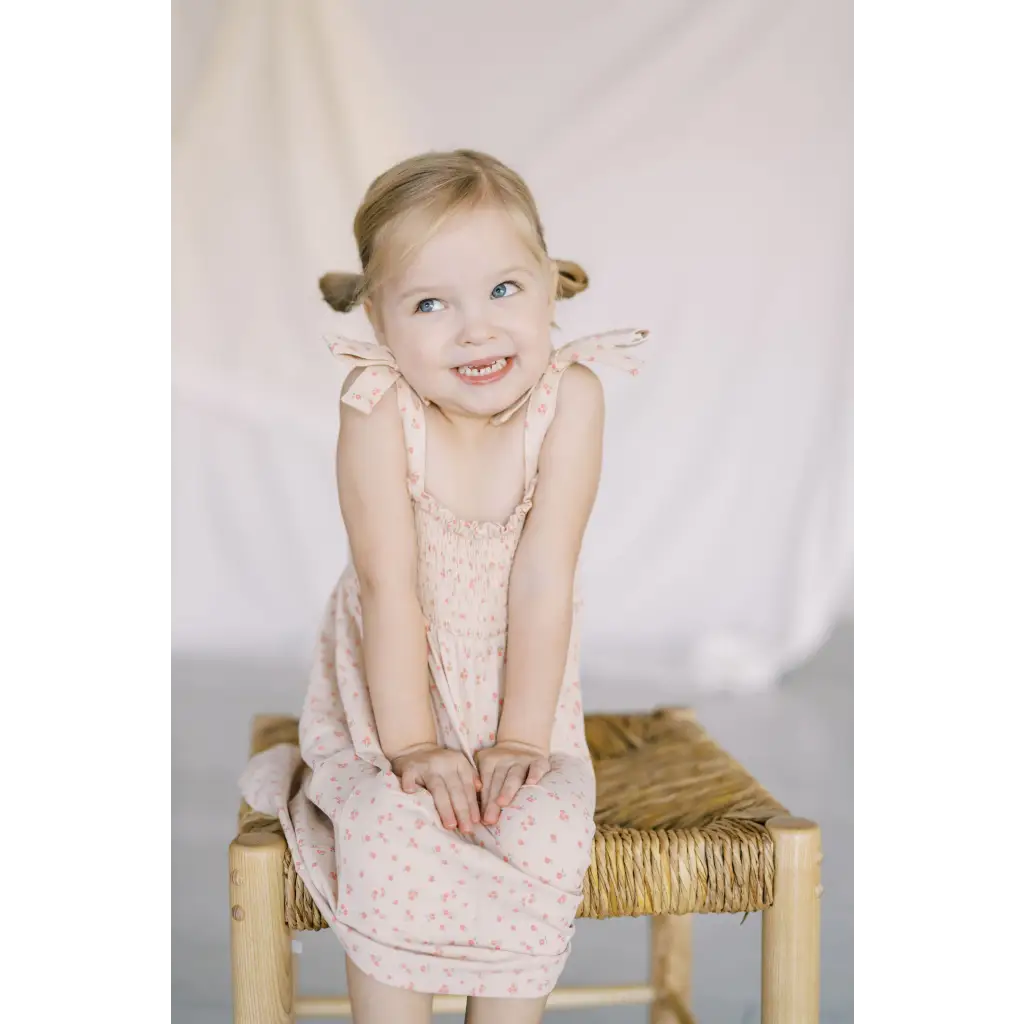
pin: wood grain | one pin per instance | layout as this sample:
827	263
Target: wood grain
261	942
791	927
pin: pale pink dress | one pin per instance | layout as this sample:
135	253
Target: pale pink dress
414	905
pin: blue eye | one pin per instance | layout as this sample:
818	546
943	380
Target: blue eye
501	291
424	302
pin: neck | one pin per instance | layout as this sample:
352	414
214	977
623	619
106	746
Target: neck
464	424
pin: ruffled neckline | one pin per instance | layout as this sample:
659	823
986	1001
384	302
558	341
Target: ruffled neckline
476	527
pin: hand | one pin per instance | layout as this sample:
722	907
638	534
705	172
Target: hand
504	769
449	778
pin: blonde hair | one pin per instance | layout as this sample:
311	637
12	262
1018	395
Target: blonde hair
429	189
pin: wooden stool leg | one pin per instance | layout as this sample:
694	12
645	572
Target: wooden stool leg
261	942
671	962
791	927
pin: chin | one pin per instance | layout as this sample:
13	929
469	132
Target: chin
489	399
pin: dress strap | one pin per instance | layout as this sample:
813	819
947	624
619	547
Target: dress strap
611	348
379	371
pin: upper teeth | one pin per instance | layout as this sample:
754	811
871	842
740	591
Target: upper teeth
479	371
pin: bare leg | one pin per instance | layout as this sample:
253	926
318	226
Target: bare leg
483	1010
373	1002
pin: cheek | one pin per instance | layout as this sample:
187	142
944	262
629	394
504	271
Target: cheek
534	358
418	351
534	339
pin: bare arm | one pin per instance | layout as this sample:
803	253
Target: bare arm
544	570
379	520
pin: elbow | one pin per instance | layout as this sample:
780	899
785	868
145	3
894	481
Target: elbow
551	586
386	588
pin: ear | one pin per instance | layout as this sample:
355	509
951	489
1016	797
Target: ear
553	287
373	315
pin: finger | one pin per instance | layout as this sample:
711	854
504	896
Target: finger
486	770
439	791
490	805
493	774
410	780
538	769
468	780
513	783
457	796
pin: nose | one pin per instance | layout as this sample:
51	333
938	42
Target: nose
477	328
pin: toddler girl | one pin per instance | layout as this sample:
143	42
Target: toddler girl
443	813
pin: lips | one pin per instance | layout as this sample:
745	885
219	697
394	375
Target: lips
484	371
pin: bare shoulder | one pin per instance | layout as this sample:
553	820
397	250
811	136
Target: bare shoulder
574	438
581	392
579	413
568	472
375	505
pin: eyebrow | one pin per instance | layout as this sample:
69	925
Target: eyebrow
417	290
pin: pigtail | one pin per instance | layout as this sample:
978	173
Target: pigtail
572	279
342	292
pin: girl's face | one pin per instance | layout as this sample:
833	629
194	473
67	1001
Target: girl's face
468	318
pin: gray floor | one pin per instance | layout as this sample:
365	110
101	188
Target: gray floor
797	740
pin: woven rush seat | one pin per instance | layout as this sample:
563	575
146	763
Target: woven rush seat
682	829
680	825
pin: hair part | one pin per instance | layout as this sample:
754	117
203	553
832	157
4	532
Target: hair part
415	198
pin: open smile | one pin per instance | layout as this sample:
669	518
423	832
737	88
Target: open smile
484	371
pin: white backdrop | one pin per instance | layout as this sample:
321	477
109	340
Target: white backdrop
695	158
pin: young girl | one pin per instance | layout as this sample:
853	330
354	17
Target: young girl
444	813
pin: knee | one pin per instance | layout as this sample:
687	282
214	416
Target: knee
362	828
548	834
380	827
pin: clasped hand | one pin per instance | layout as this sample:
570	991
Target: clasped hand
466	794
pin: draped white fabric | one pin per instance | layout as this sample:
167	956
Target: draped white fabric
695	158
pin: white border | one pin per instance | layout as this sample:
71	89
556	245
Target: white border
84	561
940	354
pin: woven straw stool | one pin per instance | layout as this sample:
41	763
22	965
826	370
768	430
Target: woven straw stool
681	829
